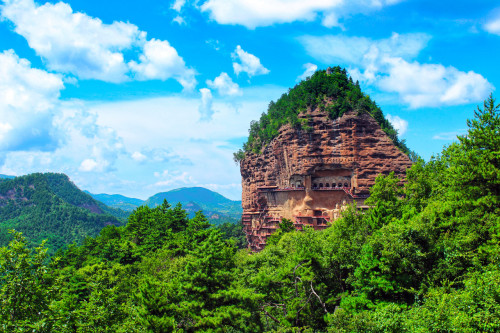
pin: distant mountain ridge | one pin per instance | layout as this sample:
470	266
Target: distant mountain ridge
217	208
5	177
49	206
117	201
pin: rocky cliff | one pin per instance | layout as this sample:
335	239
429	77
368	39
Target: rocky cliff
353	142
308	176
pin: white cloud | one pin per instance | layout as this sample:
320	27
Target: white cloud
175	179
83	139
88	165
41	133
74	42
398	123
225	85
179	20
178	4
309	71
24	87
449	136
158	155
5	128
360	50
258	13
421	85
493	24
82	145
248	63
138	156
27	98
389	64
84	46
160	61
206	108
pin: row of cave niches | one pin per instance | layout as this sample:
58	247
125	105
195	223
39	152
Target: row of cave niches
328	187
321	186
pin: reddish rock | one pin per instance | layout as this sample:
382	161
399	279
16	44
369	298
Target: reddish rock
309	177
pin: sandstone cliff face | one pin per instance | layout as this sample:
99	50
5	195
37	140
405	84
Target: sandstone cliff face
341	157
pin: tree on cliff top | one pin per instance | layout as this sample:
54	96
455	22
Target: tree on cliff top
334	93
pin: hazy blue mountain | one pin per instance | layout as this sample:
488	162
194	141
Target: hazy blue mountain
49	206
215	206
117	201
5	177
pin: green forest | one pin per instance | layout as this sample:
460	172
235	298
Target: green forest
334	94
50	207
424	258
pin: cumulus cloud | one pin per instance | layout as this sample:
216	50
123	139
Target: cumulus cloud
27	98
138	156
73	42
309	71
88	165
493	24
398	123
5	128
98	147
258	13
84	46
161	61
179	20
83	145
389	64
225	85
421	85
55	134
178	4
361	50
248	63
205	107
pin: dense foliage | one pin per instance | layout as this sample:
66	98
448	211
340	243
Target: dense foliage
424	258
334	94
49	206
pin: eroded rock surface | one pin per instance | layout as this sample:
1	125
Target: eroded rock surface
309	177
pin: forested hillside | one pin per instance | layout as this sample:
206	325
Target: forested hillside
217	208
424	258
333	93
49	206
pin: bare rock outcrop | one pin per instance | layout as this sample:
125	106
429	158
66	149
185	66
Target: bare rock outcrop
309	177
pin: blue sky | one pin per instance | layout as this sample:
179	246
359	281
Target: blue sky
138	98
